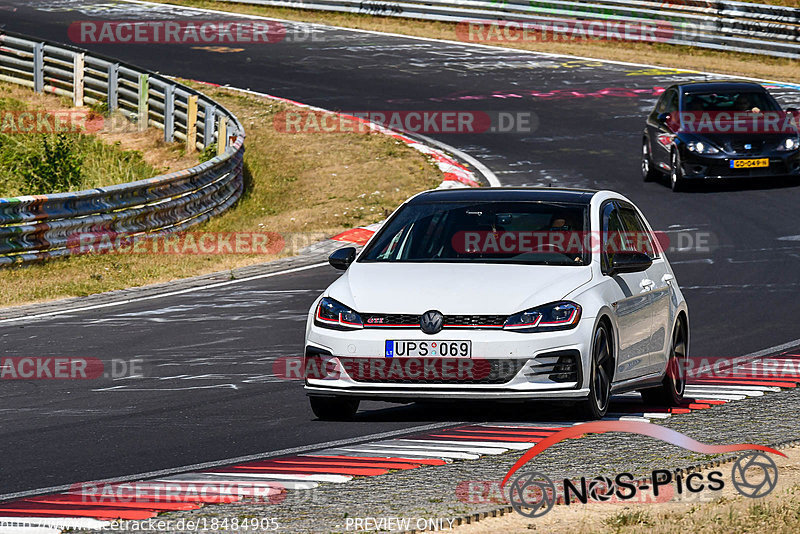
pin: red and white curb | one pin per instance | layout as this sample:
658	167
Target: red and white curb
87	507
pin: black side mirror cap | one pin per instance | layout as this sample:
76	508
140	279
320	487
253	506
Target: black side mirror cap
342	258
630	262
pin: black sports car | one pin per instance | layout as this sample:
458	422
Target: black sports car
704	130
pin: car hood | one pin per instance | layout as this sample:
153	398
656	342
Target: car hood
479	289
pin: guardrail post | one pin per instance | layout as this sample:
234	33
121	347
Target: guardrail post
38	67
143	116
113	83
208	125
222	135
191	123
169	113
78	63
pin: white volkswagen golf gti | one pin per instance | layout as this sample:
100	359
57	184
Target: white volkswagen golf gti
500	294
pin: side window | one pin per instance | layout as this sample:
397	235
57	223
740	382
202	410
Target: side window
612	235
672	102
637	236
661	105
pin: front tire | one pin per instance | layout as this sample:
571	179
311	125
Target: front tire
670	392
601	374
676	180
649	173
334	408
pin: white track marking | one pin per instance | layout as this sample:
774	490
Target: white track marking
691	387
718	396
338	479
483	169
705	392
477	443
232	461
161	295
272	487
478	447
402	453
641	415
245	477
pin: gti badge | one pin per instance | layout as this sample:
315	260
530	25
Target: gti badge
431	322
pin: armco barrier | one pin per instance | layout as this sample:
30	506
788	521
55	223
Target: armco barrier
720	25
45	226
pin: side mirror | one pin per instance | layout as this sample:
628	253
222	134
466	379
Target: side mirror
630	262
793	111
342	258
663	117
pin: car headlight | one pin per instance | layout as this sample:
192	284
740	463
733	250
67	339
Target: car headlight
556	316
702	148
335	315
790	143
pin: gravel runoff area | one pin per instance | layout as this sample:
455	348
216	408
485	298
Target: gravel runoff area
429	493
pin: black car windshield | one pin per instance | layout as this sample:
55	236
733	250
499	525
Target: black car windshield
537	233
729	101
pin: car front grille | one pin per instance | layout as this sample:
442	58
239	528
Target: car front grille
432	370
383	320
738	146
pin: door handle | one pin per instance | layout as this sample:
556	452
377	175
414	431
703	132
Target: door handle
647	284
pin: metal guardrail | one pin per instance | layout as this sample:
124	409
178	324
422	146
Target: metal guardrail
47	226
719	25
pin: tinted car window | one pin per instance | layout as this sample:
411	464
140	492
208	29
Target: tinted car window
485	232
637	234
672	102
730	101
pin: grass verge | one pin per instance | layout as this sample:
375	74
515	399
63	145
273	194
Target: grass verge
672	56
38	163
305	185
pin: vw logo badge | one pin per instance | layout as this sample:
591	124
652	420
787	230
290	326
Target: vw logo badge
748	146
431	322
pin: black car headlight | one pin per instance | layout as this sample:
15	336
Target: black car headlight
335	315
701	147
790	143
555	316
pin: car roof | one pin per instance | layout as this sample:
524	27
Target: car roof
703	87
507	194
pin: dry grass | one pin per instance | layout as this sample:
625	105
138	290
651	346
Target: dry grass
648	53
108	157
304	186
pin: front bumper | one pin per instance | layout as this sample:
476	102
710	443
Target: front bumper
698	166
504	365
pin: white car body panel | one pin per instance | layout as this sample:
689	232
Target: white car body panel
641	320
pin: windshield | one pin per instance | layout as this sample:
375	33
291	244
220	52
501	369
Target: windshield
753	101
484	232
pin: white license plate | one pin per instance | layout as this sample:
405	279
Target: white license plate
426	349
